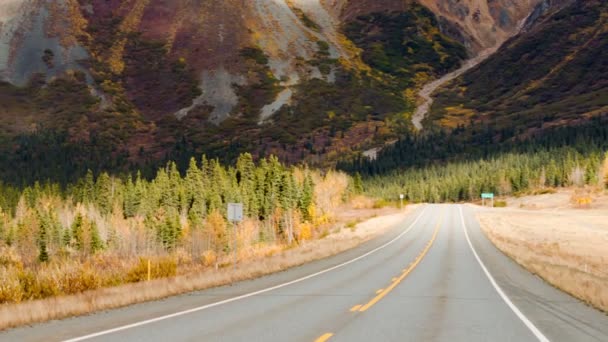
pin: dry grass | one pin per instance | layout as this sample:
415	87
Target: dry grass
568	249
270	261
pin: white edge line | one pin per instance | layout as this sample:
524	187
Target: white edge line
251	294
539	335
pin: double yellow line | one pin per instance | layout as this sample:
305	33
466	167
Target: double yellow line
404	274
395	281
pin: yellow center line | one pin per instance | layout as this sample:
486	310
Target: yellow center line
379	291
324	337
407	271
355	308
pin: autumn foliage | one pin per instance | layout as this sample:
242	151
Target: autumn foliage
105	231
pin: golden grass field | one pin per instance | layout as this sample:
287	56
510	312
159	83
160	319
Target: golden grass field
553	237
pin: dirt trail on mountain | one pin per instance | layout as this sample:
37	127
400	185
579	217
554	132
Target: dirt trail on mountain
429	89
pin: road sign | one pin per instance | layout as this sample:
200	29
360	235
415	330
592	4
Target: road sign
235	212
485	196
402	196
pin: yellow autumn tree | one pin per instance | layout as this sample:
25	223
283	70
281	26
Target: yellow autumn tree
218	233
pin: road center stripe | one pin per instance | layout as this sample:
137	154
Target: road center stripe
397	281
324	337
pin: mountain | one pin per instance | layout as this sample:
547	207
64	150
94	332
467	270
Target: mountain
555	73
105	84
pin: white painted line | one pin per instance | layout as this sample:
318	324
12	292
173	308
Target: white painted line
539	335
234	299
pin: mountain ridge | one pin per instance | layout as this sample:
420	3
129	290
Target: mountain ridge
553	74
295	78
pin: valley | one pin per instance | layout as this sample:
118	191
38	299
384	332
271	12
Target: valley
306	170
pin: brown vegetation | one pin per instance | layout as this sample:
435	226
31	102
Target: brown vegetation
568	249
254	261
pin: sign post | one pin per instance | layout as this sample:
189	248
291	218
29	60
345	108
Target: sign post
235	214
401	197
485	196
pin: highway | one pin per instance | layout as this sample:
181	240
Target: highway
434	277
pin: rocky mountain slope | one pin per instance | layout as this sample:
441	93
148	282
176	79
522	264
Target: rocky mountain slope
553	74
135	81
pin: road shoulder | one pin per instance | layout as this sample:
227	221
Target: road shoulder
556	313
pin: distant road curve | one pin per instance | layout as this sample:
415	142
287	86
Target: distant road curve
428	90
434	277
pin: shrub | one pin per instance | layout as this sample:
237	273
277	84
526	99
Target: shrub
160	268
305	232
10	287
37	286
78	279
209	258
500	204
381	203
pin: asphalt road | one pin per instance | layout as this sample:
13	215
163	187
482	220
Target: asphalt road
435	277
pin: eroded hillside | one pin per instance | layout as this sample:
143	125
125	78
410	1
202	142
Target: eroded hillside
304	79
552	75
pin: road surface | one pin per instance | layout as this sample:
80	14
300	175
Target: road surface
435	277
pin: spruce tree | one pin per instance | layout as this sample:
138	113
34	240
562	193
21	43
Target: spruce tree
78	231
96	242
43	228
88	188
193	183
306	196
104	193
130	199
246	180
215	187
66	238
357	183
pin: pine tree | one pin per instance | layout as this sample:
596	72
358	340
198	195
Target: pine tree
172	230
66	239
104	193
215	187
78	231
196	215
161	184
306	198
357	183
43	228
246	180
88	188
55	229
193	183
96	242
131	199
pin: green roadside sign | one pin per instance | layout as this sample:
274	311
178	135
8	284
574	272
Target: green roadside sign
487	195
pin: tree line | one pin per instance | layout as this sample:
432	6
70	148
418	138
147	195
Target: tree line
109	222
475	142
504	174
